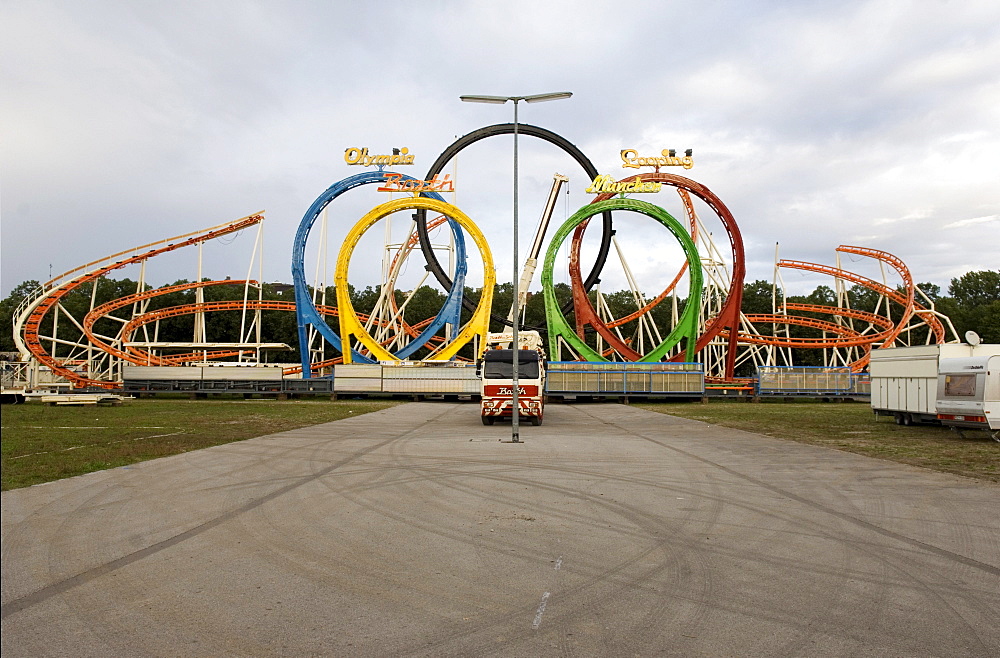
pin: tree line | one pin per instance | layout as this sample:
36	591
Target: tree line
972	303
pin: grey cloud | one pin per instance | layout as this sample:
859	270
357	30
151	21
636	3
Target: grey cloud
818	123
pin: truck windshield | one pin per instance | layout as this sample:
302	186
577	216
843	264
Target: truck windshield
499	364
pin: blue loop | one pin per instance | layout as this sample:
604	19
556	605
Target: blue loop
306	311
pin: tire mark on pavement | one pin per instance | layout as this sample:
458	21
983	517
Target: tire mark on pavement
928	590
25	602
885	532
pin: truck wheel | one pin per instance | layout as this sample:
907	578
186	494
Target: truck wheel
536	420
488	420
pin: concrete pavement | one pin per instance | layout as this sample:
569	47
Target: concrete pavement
414	531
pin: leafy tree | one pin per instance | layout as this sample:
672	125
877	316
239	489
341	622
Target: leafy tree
425	303
976	306
973	303
758	297
862	298
930	290
503	296
363	301
7	308
822	296
976	288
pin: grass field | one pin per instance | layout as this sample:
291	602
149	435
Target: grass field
852	427
42	443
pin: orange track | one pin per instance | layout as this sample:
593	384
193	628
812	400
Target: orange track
146	358
137	356
925	314
51	299
891	329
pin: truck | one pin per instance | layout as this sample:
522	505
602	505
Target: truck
496	370
931	384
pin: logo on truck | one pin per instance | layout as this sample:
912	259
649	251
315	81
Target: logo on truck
524	391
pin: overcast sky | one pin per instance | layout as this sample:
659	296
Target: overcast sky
873	123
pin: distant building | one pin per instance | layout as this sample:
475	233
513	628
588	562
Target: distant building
282	288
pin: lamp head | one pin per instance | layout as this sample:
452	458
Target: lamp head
554	96
499	100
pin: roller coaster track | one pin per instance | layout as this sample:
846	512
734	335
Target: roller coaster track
142	357
352	328
846	337
907	301
584	312
136	356
685	328
146	358
525	130
729	313
395	267
34	312
588	315
853	338
873	319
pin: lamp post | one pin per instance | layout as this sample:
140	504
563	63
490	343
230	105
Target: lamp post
515	434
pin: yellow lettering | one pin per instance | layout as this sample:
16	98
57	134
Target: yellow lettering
360	156
605	184
632	160
628	158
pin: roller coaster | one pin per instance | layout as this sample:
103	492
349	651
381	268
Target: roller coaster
696	315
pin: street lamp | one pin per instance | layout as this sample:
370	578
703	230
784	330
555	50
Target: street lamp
500	100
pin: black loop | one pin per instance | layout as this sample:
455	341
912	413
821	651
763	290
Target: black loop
434	265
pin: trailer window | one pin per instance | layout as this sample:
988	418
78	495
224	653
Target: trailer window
959	385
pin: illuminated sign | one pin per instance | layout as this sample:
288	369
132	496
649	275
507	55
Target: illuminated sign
604	184
396	183
667	158
356	156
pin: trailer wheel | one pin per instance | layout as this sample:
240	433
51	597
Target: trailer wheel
907	419
488	420
898	417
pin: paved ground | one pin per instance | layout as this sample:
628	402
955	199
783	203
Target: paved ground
610	531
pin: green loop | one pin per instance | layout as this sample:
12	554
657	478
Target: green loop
687	324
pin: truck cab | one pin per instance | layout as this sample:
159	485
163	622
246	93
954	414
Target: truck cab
496	374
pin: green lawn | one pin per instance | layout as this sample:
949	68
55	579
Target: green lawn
42	443
852	427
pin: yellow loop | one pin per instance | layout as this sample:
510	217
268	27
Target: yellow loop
350	326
